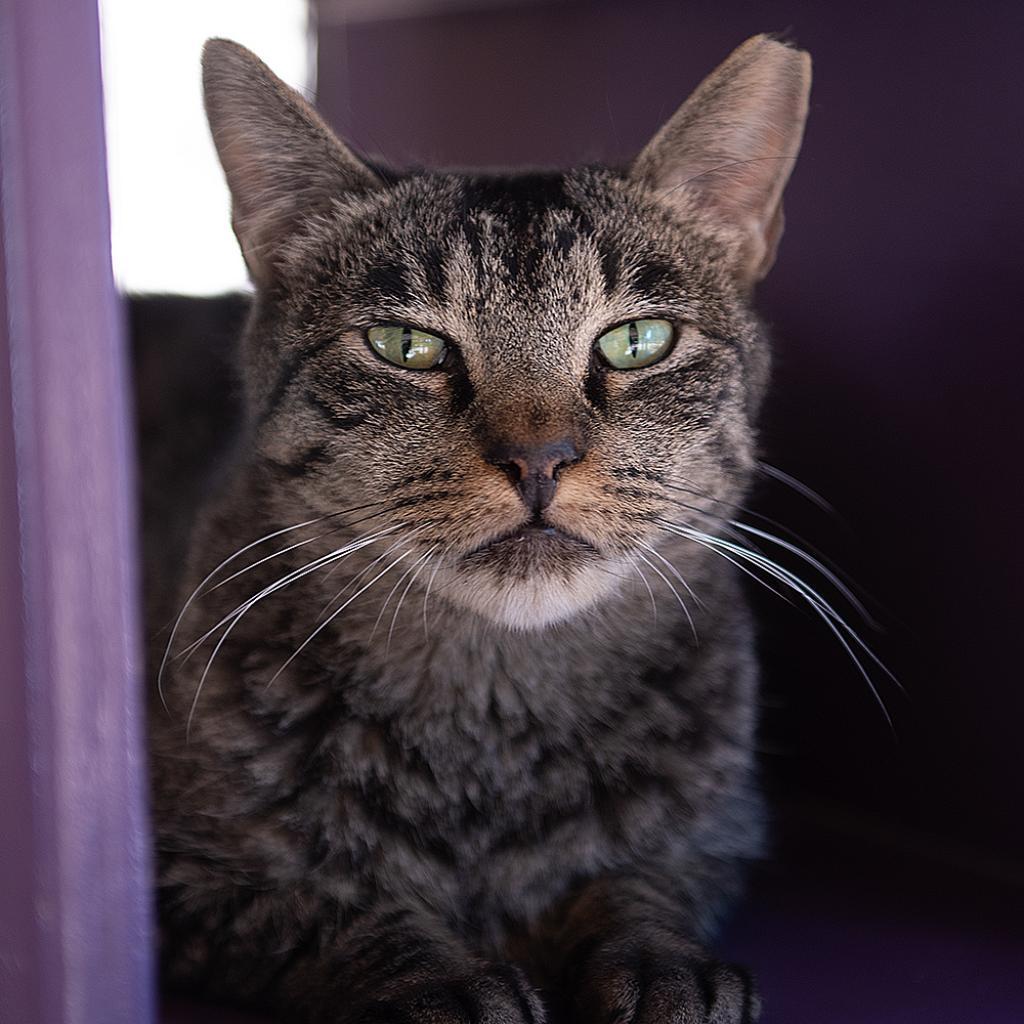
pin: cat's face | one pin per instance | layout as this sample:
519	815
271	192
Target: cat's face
518	279
531	373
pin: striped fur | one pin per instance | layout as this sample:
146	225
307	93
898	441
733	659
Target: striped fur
509	779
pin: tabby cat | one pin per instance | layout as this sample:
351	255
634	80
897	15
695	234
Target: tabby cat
456	723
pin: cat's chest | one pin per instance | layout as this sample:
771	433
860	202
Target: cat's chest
467	790
494	820
474	798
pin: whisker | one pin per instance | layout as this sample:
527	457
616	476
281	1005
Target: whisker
726	525
821	567
682	604
613	575
756	558
790	578
426	595
835	622
404	505
791	481
247	606
391	594
227	561
359	575
267	558
299	544
678	530
654	606
286	580
323	625
675	572
746	510
669	584
817	560
401	601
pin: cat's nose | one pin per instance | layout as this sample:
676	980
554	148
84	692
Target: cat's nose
534	468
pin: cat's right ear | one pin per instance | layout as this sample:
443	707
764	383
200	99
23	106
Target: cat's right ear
282	163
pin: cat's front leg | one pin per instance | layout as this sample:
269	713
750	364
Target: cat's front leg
399	965
628	957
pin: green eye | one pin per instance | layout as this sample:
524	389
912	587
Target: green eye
405	346
638	343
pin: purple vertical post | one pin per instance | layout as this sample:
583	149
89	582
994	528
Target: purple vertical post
75	935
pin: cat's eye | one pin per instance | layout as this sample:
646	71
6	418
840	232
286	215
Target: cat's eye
635	344
408	347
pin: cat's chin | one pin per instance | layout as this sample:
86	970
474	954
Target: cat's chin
529	602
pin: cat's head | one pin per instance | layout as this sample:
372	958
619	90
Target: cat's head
531	372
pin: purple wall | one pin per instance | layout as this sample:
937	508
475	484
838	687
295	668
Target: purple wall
896	305
74	882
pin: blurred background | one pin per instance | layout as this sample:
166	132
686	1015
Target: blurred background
896	307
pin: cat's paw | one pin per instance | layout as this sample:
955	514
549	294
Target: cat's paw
498	994
691	990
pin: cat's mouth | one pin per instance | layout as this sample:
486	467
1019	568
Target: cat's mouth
534	538
530	576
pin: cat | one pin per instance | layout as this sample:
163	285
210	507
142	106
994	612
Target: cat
456	722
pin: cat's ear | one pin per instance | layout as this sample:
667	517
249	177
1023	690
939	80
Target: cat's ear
730	148
281	161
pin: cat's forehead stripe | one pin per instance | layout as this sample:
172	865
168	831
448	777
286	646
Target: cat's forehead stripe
527	219
471	243
519	200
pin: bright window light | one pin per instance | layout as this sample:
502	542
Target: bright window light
170	212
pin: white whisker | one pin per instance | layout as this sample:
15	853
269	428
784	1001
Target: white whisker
801	488
654	605
675	572
299	544
401	600
267	558
227	561
828	614
323	625
195	593
676	594
239	613
676	529
790	578
817	564
391	593
362	572
338	554
426	596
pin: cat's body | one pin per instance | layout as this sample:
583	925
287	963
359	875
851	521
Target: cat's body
507	714
484	774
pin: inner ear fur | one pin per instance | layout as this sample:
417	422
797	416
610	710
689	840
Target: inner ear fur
730	148
282	163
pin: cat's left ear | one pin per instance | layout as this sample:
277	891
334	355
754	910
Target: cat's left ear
283	164
730	148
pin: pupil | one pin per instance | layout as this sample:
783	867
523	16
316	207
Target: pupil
634	338
406	342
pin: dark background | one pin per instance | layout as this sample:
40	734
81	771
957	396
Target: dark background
896	308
